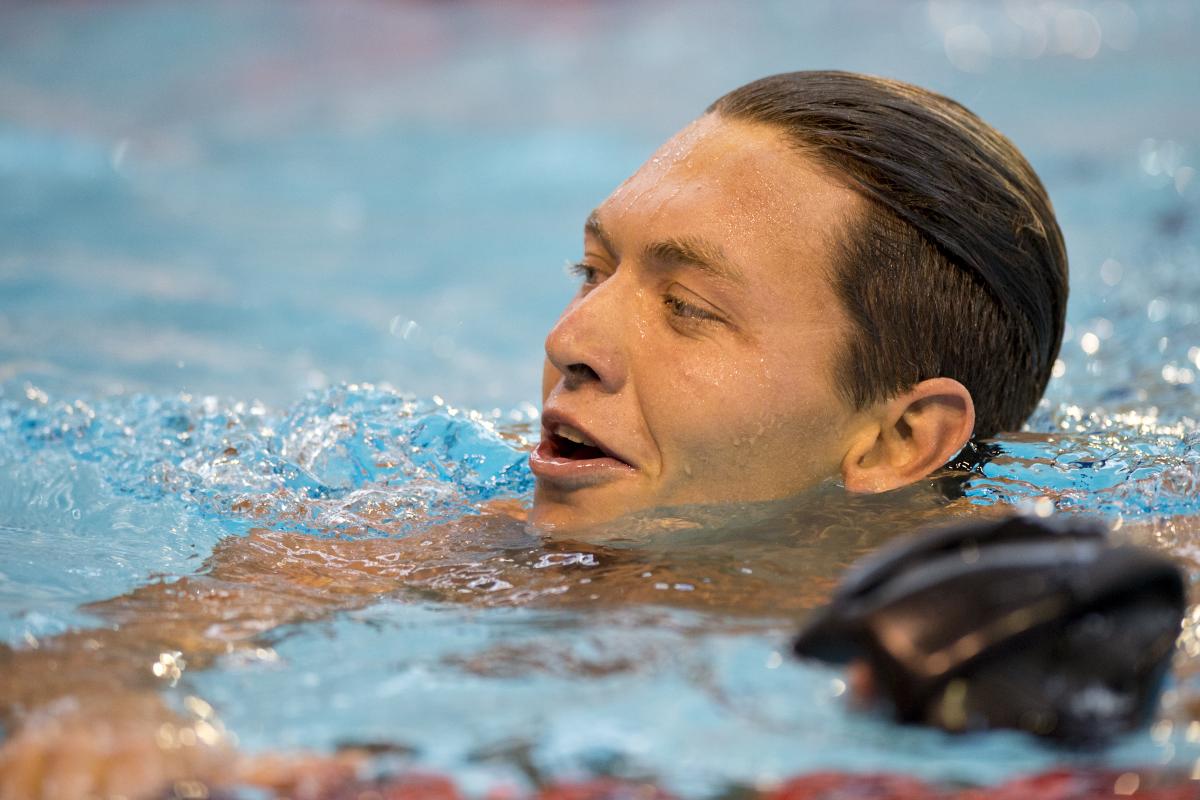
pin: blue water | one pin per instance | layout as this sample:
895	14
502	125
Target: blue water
303	255
145	463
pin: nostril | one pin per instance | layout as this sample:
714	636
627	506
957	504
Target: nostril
581	373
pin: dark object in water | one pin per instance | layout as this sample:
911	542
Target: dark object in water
1020	623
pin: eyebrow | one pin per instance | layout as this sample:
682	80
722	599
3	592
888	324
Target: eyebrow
594	227
682	251
704	255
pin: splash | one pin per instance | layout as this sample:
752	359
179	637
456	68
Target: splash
1118	464
329	464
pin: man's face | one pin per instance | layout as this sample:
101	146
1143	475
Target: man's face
696	363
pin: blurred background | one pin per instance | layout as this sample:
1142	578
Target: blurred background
251	199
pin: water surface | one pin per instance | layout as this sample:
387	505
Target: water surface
273	283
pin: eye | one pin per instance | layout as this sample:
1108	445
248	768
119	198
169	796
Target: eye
589	274
688	312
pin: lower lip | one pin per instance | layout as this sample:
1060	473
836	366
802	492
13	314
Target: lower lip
574	473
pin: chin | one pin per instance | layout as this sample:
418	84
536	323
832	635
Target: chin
555	511
552	517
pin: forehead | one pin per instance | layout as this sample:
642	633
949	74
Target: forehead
742	187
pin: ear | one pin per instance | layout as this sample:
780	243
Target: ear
909	436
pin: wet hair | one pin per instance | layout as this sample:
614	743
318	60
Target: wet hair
956	266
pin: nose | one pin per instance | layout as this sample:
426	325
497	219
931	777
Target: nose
587	344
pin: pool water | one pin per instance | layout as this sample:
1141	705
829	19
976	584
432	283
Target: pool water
273	283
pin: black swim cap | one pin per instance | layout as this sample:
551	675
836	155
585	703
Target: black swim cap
1018	623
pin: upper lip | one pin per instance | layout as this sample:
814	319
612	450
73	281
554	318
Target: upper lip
552	418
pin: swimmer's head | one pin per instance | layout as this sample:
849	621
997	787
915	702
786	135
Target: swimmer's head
825	277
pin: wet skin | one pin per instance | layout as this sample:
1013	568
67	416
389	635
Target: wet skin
698	354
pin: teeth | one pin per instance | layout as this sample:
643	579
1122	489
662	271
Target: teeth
574	434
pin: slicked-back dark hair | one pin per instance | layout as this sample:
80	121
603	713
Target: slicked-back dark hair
956	268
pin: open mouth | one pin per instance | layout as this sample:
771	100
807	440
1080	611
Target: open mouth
570	443
569	458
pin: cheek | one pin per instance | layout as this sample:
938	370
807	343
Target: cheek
731	419
708	403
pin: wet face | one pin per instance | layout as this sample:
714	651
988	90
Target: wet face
696	362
